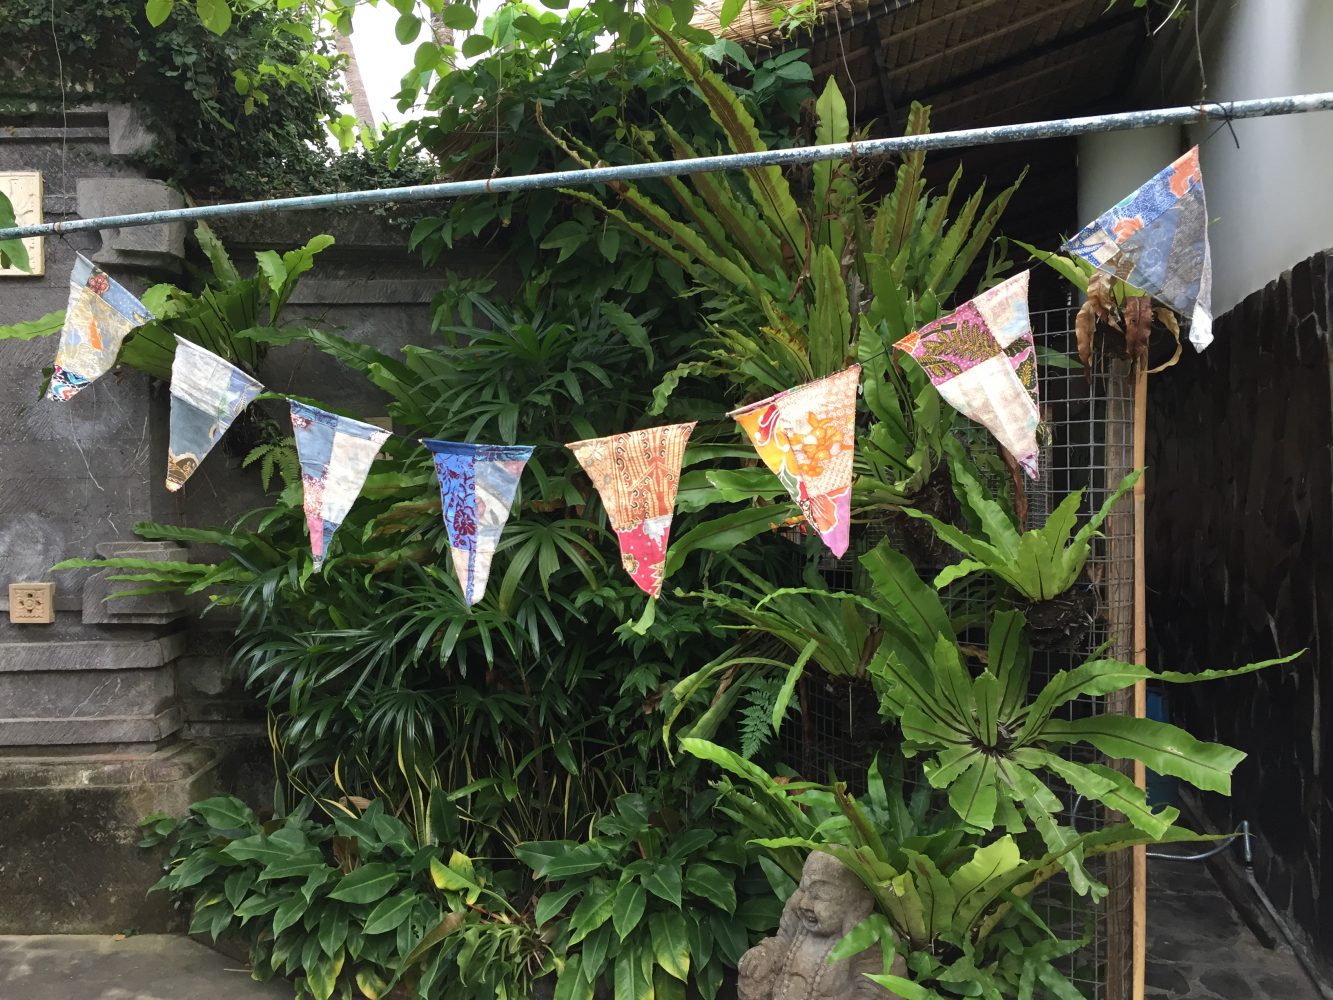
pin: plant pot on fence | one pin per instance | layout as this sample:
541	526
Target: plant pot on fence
1063	623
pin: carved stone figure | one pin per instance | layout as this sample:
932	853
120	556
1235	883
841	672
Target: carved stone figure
793	965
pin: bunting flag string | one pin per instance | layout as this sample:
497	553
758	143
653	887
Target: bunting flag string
99	315
982	359
637	474
336	454
477	487
806	438
207	395
1156	239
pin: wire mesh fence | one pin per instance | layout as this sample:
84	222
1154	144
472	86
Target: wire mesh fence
1088	446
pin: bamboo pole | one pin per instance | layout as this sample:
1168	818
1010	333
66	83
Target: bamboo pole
1141	658
1122	976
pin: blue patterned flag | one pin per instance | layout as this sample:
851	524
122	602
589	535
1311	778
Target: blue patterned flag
98	317
477	487
207	395
1157	240
336	453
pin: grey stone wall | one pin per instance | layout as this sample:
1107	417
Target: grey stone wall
1240	568
124	708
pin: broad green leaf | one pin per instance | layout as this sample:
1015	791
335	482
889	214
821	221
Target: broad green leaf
866	934
553	902
299	865
707	881
475	45
278	846
788	688
406	28
594	909
157	11
664	881
288	914
224	812
630	900
390	912
450	923
1104	785
214	14
12	251
671	945
51	323
630	981
367	883
1164	748
223	269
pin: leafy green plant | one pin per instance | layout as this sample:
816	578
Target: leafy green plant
239	114
356	905
952	904
227	316
1040	564
12	252
654	902
783	632
996	749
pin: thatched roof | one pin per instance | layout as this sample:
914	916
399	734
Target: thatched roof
976	61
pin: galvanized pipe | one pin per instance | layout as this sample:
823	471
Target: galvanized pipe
961	138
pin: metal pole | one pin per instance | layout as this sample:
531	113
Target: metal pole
1263	108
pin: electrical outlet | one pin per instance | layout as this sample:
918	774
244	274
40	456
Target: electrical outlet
32	603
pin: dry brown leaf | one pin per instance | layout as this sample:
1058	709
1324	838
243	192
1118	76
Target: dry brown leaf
1168	319
1020	491
1138	327
1085	331
1102	299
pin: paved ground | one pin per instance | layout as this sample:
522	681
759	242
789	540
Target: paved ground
1199	949
144	967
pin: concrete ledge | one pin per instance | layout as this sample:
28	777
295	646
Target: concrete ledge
32	657
101	729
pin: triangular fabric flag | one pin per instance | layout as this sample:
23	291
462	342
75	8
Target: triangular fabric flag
636	475
99	315
207	395
1157	240
806	436
982	359
335	454
477	487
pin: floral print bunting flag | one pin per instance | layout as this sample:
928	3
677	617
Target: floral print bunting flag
982	359
98	317
477	487
637	474
1156	239
336	453
207	395
806	437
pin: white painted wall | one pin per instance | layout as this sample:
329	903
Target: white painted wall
1271	201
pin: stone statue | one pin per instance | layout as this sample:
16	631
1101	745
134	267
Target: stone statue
793	964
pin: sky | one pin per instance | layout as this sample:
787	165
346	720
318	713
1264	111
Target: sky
382	59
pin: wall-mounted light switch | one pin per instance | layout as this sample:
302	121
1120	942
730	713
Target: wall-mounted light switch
32	603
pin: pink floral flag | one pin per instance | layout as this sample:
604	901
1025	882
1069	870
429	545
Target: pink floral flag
336	454
982	359
806	436
636	474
